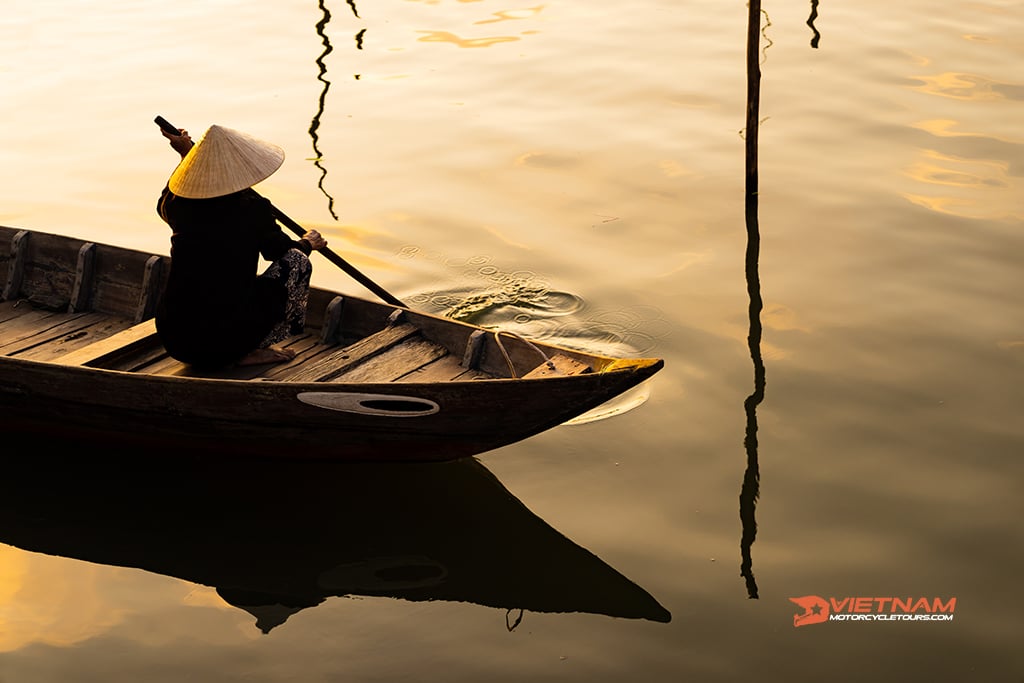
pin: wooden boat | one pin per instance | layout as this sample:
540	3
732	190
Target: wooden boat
80	355
275	537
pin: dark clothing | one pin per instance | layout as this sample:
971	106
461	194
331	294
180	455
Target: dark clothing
215	309
292	271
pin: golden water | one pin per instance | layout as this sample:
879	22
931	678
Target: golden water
575	171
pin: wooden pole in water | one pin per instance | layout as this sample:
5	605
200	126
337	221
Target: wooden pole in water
753	93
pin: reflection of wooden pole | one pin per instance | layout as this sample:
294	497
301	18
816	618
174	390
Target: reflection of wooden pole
810	22
750	489
314	125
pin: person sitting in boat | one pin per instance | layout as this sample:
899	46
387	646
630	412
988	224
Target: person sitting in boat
216	311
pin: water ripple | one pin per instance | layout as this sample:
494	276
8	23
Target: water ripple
485	294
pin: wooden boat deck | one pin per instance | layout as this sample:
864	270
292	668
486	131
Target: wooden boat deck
396	353
71	302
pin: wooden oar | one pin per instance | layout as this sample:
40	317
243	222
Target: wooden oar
300	231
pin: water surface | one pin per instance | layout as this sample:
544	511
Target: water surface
575	172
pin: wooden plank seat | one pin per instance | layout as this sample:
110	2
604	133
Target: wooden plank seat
314	361
447	368
122	343
318	362
36	330
393	363
342	360
30	333
305	345
558	366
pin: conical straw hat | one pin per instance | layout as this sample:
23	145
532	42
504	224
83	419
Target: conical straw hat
222	162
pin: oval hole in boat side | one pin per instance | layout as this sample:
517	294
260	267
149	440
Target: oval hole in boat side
384	405
397	405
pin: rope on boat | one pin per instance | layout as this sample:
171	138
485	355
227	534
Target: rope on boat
511	367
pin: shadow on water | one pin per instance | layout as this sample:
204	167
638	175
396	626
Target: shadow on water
750	489
277	537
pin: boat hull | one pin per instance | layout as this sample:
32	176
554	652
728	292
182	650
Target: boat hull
453	420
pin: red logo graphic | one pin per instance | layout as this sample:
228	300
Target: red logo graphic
815	610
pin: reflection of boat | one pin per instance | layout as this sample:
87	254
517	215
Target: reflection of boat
274	538
79	352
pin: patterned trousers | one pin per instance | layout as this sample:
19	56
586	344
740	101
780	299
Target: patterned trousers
293	270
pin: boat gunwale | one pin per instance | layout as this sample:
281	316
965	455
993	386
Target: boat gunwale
620	366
